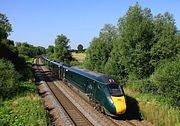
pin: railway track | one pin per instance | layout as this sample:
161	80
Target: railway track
73	112
75	115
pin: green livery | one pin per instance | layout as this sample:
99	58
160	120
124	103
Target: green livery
100	89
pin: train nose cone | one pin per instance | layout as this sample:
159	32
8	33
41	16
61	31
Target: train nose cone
120	104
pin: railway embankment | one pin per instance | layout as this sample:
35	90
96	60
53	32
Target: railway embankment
23	106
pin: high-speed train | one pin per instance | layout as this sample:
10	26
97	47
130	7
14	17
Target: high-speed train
101	89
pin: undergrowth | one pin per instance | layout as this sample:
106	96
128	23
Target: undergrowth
23	109
155	109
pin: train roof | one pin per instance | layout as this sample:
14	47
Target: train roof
92	75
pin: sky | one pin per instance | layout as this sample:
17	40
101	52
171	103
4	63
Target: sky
38	22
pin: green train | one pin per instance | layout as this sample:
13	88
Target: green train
102	90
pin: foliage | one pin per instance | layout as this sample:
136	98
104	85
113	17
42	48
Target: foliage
5	27
9	52
136	30
143	52
165	44
25	109
50	51
61	49
166	79
80	48
155	109
8	78
75	63
29	50
114	65
100	48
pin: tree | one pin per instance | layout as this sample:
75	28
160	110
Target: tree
5	27
114	66
108	33
40	50
80	48
100	48
136	40
50	51
165	43
8	78
61	49
26	49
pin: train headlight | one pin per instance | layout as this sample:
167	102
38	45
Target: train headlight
110	99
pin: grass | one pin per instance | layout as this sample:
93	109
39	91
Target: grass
156	110
79	56
25	108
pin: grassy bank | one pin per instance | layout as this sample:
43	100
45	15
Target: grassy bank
155	109
24	108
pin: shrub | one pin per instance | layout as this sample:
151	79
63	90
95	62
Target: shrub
75	63
167	79
8	78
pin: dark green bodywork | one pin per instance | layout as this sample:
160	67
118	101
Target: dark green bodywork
90	83
91	86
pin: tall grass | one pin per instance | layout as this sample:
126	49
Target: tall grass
155	109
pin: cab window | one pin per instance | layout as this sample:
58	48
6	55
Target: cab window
115	90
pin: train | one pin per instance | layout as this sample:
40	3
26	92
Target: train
103	91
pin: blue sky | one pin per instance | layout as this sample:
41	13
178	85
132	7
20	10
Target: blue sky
38	22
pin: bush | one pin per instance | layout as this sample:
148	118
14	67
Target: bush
75	63
8	78
164	81
167	79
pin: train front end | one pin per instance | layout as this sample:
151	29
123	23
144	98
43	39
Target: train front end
116	100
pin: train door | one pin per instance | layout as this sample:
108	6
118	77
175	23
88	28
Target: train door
99	93
94	89
88	88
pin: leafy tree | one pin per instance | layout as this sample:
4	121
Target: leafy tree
108	33
40	50
165	44
9	52
29	50
114	66
100	48
50	51
5	27
136	33
61	49
8	78
24	49
80	48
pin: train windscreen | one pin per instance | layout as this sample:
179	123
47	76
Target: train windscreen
115	90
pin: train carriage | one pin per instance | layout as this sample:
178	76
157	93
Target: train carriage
99	87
